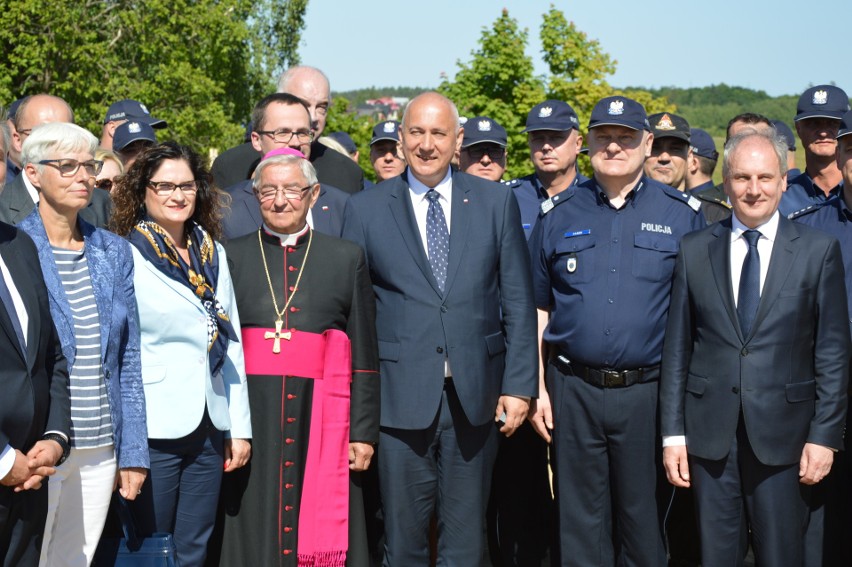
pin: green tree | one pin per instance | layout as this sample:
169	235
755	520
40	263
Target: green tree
342	118
499	82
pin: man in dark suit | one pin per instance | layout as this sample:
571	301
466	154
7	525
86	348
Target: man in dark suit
35	414
457	332
19	196
755	364
281	121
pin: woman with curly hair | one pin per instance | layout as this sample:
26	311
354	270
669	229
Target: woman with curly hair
192	361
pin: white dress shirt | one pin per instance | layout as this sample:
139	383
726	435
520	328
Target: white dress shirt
739	250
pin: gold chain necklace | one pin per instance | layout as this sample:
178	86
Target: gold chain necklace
278	335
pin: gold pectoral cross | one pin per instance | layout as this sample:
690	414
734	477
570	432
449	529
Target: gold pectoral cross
277	335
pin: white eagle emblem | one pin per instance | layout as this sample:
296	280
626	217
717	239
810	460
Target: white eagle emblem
134	128
389	127
545	112
616	108
820	97
484	125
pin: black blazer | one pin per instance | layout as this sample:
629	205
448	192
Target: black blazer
789	375
244	215
35	396
16	204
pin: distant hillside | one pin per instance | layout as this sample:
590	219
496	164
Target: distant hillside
360	96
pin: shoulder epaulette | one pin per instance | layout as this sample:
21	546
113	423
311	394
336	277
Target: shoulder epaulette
682	197
712	199
806	210
512	183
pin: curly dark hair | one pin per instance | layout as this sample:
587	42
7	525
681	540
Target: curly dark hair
128	194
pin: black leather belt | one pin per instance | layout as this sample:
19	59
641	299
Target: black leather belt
606	377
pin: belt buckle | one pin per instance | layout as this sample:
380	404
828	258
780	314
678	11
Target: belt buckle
613	378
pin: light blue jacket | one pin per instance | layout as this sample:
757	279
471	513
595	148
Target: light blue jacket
175	370
111	272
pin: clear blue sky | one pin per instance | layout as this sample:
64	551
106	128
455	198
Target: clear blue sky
778	47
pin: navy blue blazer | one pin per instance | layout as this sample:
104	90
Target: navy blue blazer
244	216
485	321
111	270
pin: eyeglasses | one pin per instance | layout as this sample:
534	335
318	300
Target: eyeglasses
284	136
292	193
494	152
69	167
24	131
105	184
165	189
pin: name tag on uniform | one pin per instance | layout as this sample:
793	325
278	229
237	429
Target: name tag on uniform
585	232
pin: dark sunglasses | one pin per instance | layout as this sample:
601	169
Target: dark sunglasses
105	184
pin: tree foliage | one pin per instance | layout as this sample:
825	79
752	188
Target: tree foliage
198	64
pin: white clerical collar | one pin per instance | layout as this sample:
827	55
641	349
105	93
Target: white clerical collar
31	190
420	189
767	230
287	239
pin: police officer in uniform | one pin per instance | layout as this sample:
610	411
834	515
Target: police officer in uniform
818	115
602	266
553	135
831	500
483	148
699	172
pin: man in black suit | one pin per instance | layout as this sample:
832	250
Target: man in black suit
755	364
281	121
35	414
19	196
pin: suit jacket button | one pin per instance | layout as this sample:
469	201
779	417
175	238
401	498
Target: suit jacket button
439	350
443	309
735	390
744	352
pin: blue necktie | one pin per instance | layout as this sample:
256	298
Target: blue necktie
437	238
749	293
6	299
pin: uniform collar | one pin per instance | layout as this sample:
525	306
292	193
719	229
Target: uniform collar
629	199
283	239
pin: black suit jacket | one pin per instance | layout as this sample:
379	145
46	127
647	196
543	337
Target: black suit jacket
789	375
35	396
16	204
244	214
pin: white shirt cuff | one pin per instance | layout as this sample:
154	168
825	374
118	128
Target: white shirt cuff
674	440
7	460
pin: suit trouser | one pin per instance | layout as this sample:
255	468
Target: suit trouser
21	525
740	491
78	501
445	468
606	446
181	492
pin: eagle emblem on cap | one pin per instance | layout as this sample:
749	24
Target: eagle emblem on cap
616	108
820	97
144	108
545	112
484	125
665	123
388	127
134	128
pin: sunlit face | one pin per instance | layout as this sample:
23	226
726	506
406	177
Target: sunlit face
172	211
554	151
618	151
312	88
282	214
280	116
818	135
386	159
844	159
59	193
109	172
485	160
754	183
668	161
429	138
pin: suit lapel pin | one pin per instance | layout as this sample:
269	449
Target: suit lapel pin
325	207
464	200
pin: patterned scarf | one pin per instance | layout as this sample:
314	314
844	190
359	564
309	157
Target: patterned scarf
200	276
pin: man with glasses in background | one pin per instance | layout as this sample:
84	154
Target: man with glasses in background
19	197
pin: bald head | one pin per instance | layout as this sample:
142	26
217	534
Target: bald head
37	110
430	136
312	86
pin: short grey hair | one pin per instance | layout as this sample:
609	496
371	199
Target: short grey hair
56	137
305	166
287	75
779	145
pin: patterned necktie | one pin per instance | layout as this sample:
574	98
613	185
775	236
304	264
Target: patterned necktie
749	294
437	238
6	299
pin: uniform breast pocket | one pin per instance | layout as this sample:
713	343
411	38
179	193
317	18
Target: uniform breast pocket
574	259
654	256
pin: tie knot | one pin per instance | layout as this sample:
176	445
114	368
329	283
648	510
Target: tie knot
433	195
751	236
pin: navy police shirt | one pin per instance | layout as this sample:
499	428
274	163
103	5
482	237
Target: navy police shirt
801	193
531	195
605	273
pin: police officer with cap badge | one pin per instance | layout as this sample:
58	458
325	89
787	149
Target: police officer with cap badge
385	155
554	139
483	148
603	259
